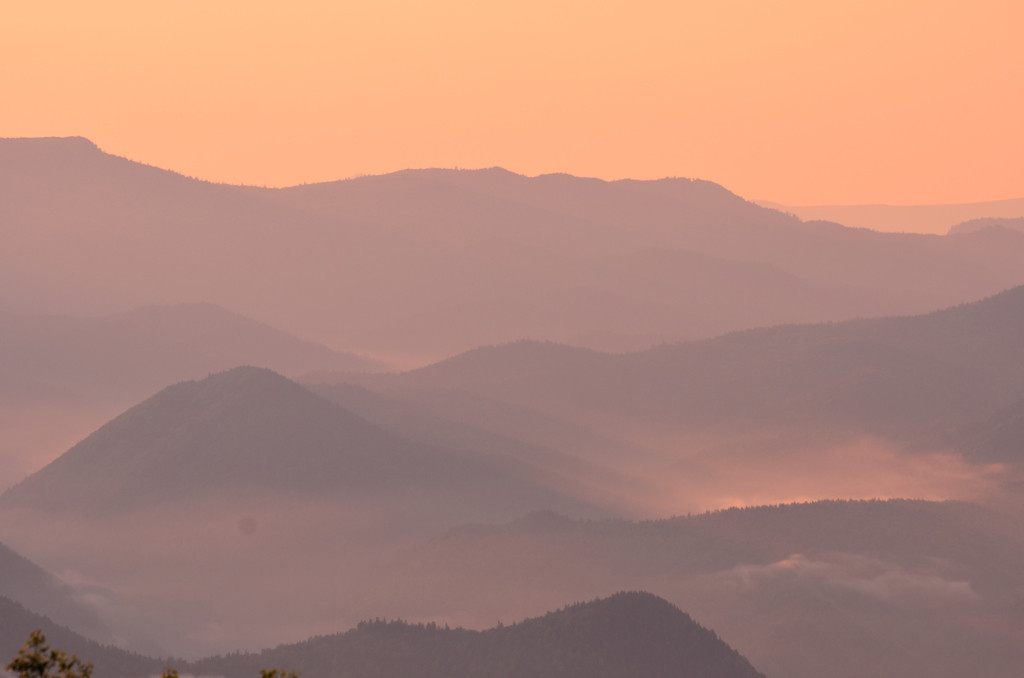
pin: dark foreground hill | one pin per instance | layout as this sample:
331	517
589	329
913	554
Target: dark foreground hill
880	375
625	635
16	623
252	430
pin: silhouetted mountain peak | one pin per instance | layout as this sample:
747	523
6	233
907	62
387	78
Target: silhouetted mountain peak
245	427
249	430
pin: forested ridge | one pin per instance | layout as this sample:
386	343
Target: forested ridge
624	635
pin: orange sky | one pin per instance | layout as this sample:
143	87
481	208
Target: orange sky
801	102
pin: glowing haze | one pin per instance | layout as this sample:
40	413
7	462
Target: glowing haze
800	102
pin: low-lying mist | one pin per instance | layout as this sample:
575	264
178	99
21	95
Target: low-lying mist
219	574
246	570
714	472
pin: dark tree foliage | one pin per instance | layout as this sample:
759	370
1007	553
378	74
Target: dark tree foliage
111	662
38	660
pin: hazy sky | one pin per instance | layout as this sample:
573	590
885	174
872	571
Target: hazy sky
801	102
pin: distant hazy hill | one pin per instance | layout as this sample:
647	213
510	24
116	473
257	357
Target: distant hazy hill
424	264
999	438
493	428
904	218
882	375
627	634
27	583
250	429
829	589
61	377
132	355
17	623
975	225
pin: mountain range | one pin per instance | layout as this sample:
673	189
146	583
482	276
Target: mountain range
61	377
582	358
907	218
974	225
887	376
129	356
422	264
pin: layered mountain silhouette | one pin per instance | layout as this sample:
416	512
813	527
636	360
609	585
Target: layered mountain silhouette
833	588
905	218
251	430
129	356
888	376
619	374
571	454
975	225
63	376
626	634
424	264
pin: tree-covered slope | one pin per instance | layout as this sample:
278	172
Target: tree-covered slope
625	635
16	623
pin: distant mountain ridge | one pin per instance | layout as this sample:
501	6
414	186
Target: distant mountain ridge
936	219
128	356
423	264
975	225
886	375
